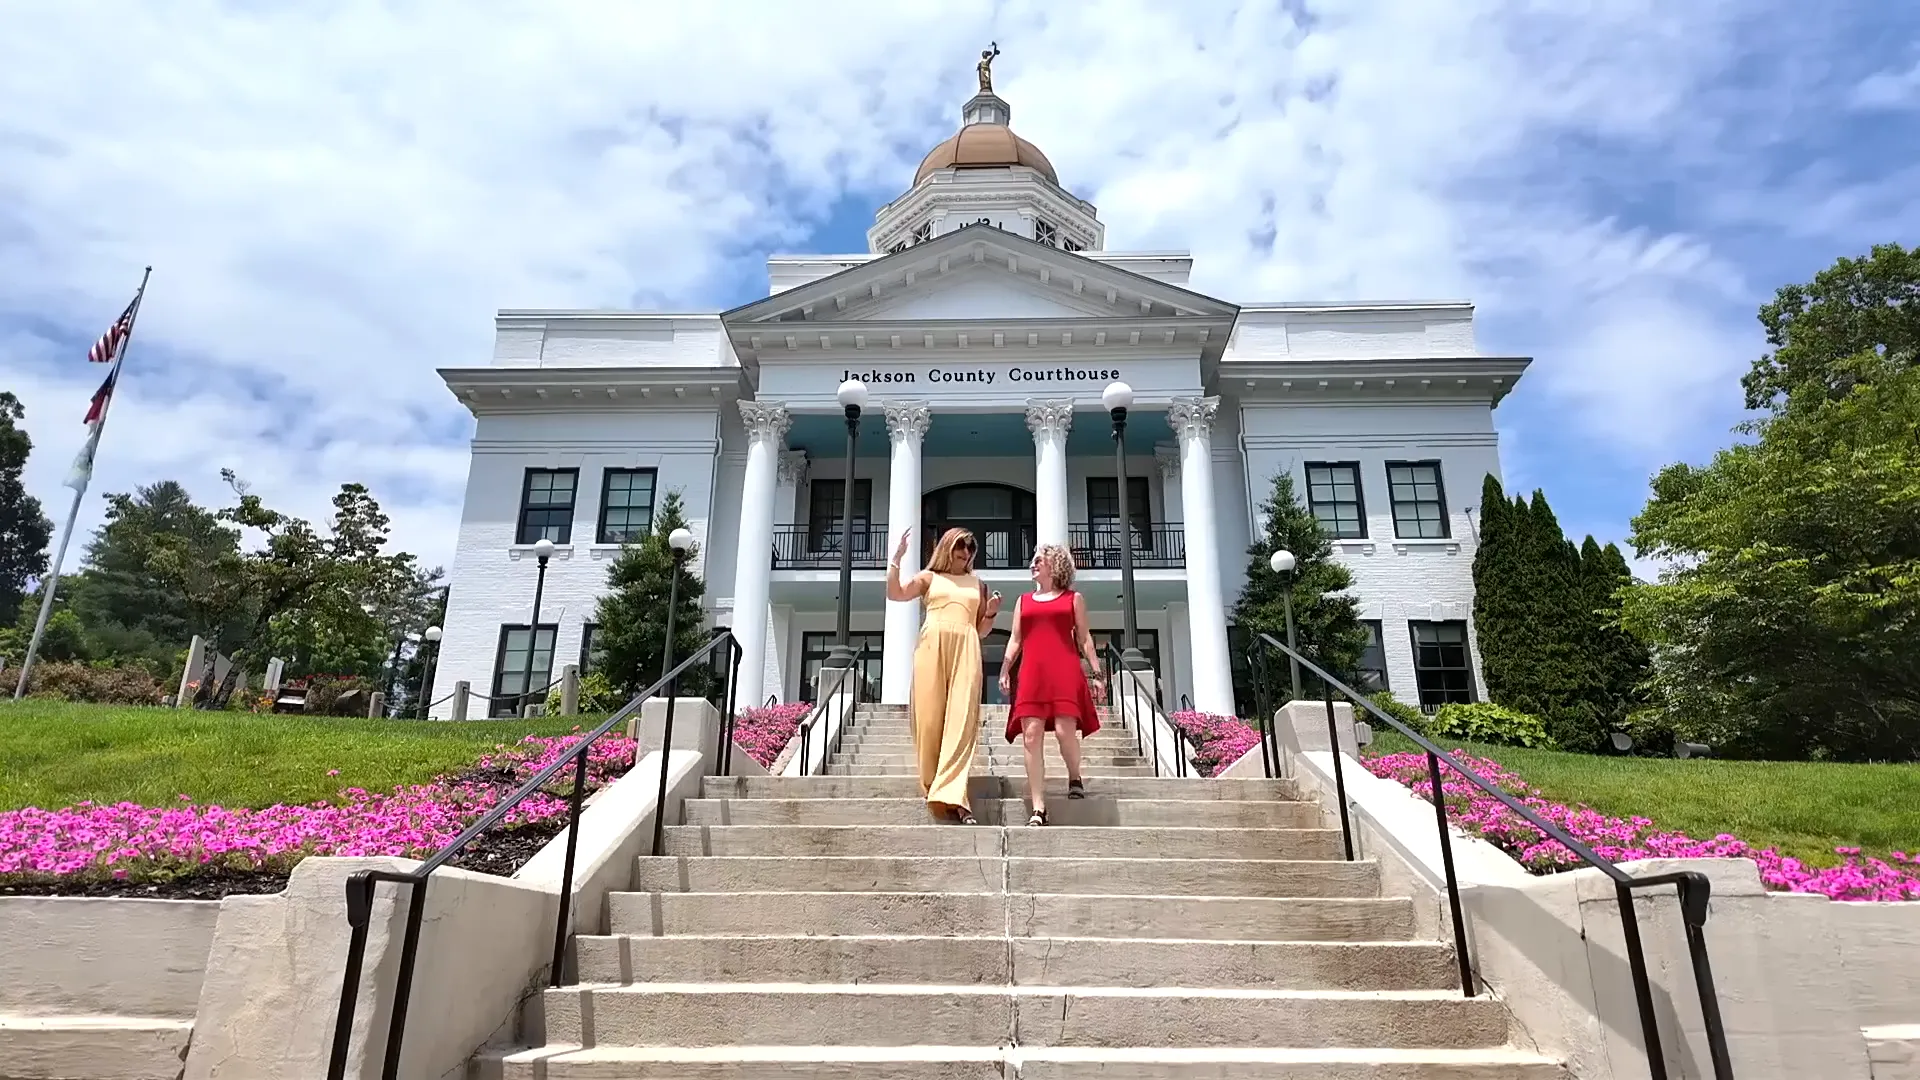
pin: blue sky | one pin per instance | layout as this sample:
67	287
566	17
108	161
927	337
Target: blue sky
337	197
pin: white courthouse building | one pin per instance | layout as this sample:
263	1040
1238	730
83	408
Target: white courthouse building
986	319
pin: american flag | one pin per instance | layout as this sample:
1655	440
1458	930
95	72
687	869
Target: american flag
108	346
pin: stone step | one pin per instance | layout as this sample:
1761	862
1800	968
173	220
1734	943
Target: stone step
901	744
1097	759
1206	918
1028	1063
750	1014
993	960
94	1046
981	768
1131	877
997	787
1151	842
1095	809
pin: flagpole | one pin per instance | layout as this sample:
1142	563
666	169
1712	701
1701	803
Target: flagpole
79	494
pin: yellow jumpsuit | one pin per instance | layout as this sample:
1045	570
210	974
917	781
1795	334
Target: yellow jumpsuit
946	691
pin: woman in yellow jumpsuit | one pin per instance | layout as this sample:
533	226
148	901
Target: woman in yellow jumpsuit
947	674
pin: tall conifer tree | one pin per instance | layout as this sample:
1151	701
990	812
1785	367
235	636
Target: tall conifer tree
1326	616
631	617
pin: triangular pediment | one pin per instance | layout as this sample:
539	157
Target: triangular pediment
978	272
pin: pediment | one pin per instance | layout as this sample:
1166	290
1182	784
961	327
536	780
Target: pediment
975	292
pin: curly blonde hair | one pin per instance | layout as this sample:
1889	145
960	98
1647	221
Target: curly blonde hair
1059	563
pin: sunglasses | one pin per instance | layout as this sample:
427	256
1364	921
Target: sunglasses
964	545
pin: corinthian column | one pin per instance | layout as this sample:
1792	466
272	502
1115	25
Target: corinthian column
1050	421
1192	422
766	425
907	423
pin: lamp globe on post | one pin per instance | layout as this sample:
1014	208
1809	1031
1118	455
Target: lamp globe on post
432	637
1118	398
680	542
852	396
1283	562
542	552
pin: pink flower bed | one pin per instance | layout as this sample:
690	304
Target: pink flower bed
1628	839
126	840
1218	741
764	732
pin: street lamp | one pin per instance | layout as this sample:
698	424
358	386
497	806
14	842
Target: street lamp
426	677
680	541
1117	397
852	396
542	550
1283	562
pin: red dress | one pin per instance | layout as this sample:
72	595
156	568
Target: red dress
1049	682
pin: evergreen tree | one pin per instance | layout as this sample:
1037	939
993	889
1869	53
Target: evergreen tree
1326	617
127	609
1562	679
24	530
632	615
1619	661
1500	601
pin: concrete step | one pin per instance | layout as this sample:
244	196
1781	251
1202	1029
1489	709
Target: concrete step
1129	877
982	768
749	1014
1096	759
95	1047
1028	1063
1066	841
828	913
991	787
1092	810
993	960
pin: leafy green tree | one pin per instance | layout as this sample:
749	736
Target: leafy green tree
1785	625
1619	661
24	530
1326	617
129	614
1838	329
632	615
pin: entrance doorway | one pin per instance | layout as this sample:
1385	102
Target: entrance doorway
1000	517
993	654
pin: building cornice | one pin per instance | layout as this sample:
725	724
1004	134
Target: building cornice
1473	378
504	389
1320	307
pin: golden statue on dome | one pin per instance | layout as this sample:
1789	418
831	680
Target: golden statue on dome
985	67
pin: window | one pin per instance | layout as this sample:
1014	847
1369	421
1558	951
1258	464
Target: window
591	654
1440	664
1372	667
814	648
1045	233
897	248
626	505
1148	640
923	233
1419	502
1068	245
523	666
1103	511
1333	494
546	506
825	504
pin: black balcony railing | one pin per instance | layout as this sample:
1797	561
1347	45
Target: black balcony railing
1155	547
807	547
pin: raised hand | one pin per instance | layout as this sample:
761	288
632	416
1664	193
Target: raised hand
993	606
900	552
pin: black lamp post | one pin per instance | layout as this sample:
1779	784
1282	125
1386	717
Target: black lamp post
680	541
852	396
426	676
1283	562
542	550
1117	397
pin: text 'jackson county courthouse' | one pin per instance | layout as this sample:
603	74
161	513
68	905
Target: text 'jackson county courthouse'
986	320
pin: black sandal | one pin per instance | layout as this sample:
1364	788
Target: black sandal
1076	789
965	817
1039	818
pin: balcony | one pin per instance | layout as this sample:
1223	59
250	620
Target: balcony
1155	547
806	547
1004	546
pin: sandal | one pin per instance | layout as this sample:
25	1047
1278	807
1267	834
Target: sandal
1039	818
965	817
1076	789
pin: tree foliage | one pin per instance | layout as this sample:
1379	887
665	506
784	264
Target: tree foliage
1786	625
1859	318
1326	616
631	617
24	529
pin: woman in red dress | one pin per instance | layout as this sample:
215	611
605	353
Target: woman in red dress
1050	635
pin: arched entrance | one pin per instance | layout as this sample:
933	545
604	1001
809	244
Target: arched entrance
1000	516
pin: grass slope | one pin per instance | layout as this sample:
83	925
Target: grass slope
1804	809
55	754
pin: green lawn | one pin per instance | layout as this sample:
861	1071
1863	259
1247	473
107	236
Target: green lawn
54	754
1804	809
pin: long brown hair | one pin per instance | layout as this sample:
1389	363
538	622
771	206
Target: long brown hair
945	558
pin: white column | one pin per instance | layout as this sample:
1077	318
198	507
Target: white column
753	559
1192	422
1167	460
793	473
907	423
1050	421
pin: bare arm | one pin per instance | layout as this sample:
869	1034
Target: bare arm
914	587
1082	630
989	610
1013	644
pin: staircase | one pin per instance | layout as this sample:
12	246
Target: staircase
1176	928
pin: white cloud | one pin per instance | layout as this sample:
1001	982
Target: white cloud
336	198
1892	89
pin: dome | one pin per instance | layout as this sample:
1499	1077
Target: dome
986	146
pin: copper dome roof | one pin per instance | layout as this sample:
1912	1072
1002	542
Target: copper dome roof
985	146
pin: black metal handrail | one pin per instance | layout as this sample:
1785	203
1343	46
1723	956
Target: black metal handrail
839	691
1155	547
1694	889
1122	679
817	547
360	885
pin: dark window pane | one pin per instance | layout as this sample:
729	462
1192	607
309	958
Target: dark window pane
1333	494
1373	659
626	505
1419	505
826	502
1440	663
814	649
522	669
546	506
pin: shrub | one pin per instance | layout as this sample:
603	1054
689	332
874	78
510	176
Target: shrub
1490	724
324	691
596	696
98	685
1399	710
